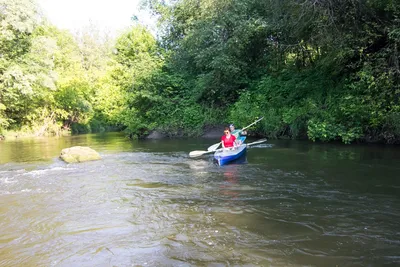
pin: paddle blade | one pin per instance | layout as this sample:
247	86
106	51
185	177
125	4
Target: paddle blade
213	147
198	153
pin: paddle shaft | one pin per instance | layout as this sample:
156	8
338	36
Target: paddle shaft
252	124
257	142
198	153
213	147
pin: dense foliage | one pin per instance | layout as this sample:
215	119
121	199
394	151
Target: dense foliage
323	70
47	76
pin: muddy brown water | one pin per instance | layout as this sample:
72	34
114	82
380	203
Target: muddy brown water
146	203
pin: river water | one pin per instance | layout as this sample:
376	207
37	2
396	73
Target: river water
146	203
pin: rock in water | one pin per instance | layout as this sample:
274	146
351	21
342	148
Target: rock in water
79	154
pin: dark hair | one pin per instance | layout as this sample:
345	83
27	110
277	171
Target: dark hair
227	129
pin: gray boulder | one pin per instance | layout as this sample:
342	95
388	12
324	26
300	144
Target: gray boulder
79	154
214	131
156	135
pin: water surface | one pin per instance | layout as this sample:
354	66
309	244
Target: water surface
146	203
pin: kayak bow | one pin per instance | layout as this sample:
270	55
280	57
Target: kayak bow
227	155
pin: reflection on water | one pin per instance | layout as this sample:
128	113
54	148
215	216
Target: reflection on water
147	204
228	187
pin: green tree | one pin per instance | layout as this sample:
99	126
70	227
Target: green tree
136	61
323	69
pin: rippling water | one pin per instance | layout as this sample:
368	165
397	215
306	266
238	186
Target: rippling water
147	204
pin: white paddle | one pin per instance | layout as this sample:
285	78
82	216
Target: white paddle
215	146
257	142
198	153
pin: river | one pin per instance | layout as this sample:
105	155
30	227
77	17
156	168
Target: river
146	203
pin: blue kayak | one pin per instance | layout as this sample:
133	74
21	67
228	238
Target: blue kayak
224	156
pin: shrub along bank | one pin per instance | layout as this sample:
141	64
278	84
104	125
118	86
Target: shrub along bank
322	70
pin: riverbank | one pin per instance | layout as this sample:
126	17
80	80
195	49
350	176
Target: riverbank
14	135
214	131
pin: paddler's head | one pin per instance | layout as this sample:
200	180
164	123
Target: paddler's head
227	131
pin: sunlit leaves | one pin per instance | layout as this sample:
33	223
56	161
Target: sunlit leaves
326	70
133	46
18	19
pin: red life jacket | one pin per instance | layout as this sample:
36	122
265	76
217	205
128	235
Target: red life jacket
228	142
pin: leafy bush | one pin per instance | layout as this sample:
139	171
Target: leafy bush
79	128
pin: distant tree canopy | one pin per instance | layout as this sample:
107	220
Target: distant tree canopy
323	70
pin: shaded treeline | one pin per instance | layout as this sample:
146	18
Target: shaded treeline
323	70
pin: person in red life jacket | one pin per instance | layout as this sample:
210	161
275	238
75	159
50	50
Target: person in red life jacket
228	139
